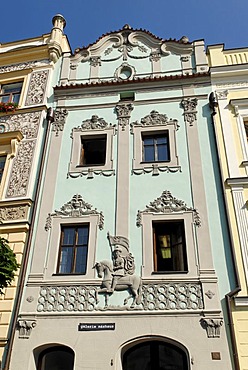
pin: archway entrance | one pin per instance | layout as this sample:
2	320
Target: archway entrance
56	358
155	355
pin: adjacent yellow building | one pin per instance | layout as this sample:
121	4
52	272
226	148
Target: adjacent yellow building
229	101
28	69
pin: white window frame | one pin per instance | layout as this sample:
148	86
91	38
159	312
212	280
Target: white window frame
78	134
138	165
54	247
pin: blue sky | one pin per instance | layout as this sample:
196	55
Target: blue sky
219	21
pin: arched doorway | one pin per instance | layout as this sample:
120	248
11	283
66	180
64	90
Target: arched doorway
56	358
155	355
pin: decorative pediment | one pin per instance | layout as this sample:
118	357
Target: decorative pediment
166	203
94	123
156	118
133	43
76	207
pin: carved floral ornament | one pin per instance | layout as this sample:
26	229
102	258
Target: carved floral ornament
13	213
26	123
190	112
155	118
59	120
123	112
76	207
25	65
37	88
94	123
165	204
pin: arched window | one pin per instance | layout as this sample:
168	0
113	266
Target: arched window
155	355
56	358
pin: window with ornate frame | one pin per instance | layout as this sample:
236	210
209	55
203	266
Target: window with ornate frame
167	237
92	148
169	246
11	92
74	253
8	148
154	144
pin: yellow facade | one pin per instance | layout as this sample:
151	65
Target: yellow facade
229	74
29	64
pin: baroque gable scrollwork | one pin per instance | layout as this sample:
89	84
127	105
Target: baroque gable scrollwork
156	118
166	203
26	123
37	88
59	120
22	163
76	207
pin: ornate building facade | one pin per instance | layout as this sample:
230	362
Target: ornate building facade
28	69
130	261
229	103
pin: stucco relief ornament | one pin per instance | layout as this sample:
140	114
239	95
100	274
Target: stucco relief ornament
155	118
27	123
123	114
22	163
212	326
222	94
37	88
76	207
20	66
118	274
210	294
12	213
155	56
166	203
190	112
94	123
59	120
95	61
25	327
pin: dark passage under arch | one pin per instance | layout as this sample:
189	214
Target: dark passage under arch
155	355
56	358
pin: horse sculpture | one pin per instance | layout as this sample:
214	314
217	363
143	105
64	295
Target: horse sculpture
132	283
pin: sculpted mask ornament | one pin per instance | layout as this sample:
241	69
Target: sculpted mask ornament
118	274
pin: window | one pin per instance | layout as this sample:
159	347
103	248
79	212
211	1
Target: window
169	247
93	152
154	144
2	164
73	249
156	147
155	355
55	358
11	93
246	129
92	149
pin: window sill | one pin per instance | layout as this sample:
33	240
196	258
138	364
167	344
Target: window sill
69	274
169	272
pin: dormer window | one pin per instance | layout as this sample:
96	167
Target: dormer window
10	93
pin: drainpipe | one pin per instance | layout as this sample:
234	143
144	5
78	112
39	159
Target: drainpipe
229	297
21	282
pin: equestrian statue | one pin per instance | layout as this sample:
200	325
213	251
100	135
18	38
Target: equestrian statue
118	274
